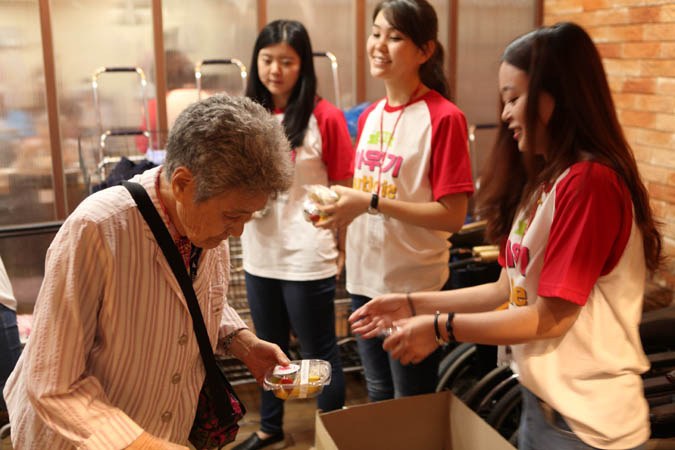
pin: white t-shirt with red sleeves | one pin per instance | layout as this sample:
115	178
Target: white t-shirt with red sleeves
428	159
282	244
582	245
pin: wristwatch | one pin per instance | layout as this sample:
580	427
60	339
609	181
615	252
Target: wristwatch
372	209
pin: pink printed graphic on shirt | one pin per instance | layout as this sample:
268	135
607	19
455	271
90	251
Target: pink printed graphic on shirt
517	253
375	158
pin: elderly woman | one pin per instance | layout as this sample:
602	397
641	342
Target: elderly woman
113	361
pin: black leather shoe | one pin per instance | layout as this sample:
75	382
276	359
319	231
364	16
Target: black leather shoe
254	442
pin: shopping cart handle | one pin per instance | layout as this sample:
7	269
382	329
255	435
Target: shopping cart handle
120	69
126	132
217	61
328	55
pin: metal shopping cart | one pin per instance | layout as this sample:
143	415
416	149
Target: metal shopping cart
114	150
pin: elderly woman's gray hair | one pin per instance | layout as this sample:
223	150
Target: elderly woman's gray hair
230	143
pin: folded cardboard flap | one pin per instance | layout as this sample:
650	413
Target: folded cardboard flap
434	421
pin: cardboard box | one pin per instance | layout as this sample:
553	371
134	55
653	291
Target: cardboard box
425	422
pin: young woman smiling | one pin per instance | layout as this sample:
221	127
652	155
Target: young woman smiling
562	195
412	180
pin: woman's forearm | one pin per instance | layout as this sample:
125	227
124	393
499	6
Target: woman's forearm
548	318
484	297
447	214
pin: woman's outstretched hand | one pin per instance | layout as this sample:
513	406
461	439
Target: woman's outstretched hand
379	314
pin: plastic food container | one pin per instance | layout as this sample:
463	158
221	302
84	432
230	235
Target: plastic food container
317	194
300	379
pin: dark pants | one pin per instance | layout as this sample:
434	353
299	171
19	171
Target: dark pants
387	378
10	347
306	307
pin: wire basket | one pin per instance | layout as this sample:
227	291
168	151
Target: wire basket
235	371
236	292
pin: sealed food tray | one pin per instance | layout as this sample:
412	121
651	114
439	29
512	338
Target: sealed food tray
300	379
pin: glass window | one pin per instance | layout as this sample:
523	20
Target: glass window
485	29
206	30
89	35
330	24
26	187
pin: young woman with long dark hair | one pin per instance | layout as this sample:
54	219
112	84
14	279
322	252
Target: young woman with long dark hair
563	198
412	180
290	266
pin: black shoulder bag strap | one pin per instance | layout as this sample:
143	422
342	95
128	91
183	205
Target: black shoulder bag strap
214	376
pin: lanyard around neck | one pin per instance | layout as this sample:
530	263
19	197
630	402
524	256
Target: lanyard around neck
383	154
540	192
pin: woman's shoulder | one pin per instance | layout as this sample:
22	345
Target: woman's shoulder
323	107
589	169
592	176
440	106
327	114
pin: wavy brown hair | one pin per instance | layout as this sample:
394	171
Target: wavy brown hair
562	61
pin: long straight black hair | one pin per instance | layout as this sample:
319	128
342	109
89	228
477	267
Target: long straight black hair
301	103
417	19
562	60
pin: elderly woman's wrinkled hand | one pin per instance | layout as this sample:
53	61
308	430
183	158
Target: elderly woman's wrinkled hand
266	355
258	355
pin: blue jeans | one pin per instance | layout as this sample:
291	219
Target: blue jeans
10	348
306	307
387	378
536	432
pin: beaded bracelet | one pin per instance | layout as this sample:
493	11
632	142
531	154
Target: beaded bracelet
227	340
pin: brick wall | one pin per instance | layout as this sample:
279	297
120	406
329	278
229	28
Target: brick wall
636	39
